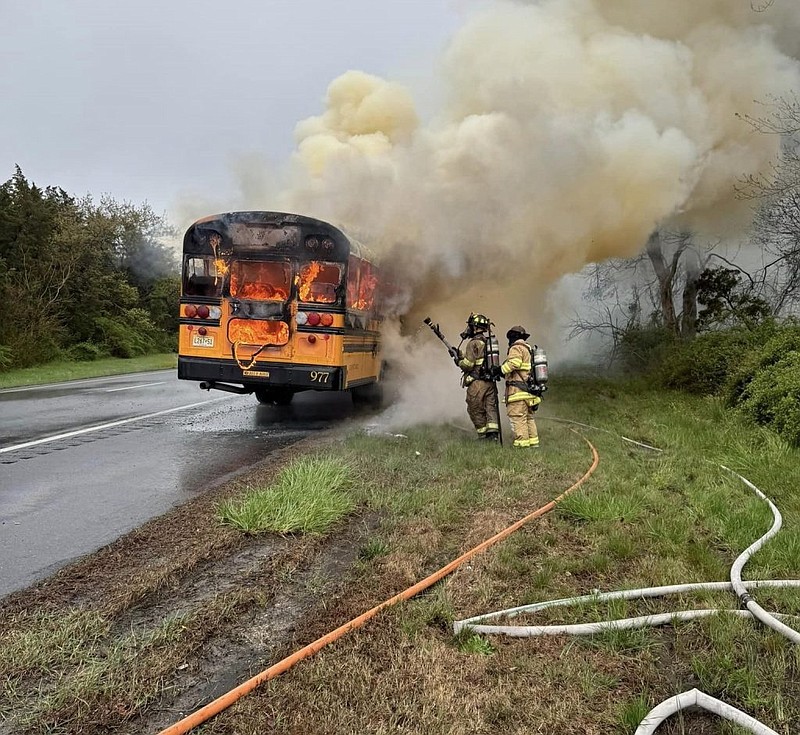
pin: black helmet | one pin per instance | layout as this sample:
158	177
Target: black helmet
517	332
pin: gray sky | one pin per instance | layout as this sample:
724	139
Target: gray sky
152	99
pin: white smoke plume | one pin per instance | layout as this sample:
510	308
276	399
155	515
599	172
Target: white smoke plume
571	129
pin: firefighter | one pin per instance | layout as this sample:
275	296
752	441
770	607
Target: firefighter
481	391
521	403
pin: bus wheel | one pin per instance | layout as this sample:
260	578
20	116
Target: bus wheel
277	396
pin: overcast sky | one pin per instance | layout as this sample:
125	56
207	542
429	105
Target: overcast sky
152	99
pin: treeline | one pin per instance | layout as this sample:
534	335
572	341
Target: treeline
80	279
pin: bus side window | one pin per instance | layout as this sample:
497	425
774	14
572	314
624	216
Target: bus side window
352	282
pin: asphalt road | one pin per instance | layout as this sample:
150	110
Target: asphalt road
82	463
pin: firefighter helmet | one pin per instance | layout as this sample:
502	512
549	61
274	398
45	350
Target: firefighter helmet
517	332
478	321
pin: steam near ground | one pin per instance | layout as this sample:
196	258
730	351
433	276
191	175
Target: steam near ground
570	130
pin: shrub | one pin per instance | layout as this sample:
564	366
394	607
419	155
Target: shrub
642	349
779	343
85	352
773	396
130	334
704	366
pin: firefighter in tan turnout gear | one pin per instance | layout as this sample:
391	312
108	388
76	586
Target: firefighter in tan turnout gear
520	401
481	390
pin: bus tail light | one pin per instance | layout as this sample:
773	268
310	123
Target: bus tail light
326	320
313	319
312	338
301	318
202	312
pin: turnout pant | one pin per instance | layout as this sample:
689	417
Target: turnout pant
482	406
520	414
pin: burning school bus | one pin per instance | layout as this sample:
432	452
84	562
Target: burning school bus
275	304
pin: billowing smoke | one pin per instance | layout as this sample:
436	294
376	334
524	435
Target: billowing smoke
571	129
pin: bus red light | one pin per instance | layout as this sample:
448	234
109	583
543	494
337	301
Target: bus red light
190	310
311	339
326	320
313	318
202	331
202	312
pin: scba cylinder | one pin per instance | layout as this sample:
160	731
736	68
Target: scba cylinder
539	366
492	353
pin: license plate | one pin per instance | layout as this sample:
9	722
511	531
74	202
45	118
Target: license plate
201	341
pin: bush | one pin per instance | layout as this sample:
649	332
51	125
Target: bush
642	349
130	334
779	342
772	397
6	357
85	352
705	365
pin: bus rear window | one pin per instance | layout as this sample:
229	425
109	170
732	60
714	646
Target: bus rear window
318	282
260	281
201	277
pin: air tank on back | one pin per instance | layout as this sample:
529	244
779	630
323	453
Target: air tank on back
539	365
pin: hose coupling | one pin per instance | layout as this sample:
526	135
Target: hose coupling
744	600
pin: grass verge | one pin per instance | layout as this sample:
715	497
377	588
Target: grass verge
63	370
643	519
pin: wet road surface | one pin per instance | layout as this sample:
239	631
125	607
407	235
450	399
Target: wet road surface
82	463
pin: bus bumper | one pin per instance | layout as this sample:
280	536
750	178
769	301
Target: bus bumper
280	375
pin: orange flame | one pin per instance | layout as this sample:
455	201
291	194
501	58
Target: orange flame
220	264
258	332
259	285
308	274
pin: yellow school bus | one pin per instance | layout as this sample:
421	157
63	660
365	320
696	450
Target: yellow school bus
274	304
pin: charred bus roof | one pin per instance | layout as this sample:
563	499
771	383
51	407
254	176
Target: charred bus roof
253	234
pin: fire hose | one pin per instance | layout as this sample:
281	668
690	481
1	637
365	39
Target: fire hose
694	698
226	700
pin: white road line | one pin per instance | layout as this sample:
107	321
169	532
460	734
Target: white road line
70	383
132	387
100	427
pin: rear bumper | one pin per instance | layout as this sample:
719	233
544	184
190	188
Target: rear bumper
283	375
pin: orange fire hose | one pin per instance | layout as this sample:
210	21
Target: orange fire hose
226	700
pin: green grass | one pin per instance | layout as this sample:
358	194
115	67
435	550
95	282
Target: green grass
643	519
63	370
308	496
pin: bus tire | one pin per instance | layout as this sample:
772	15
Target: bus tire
274	396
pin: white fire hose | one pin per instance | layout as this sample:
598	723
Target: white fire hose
693	698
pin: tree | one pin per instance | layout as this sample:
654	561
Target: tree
777	199
77	273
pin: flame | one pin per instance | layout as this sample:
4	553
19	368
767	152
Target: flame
258	332
308	274
260	289
366	291
220	264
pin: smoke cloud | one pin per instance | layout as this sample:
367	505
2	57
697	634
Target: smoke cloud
569	131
